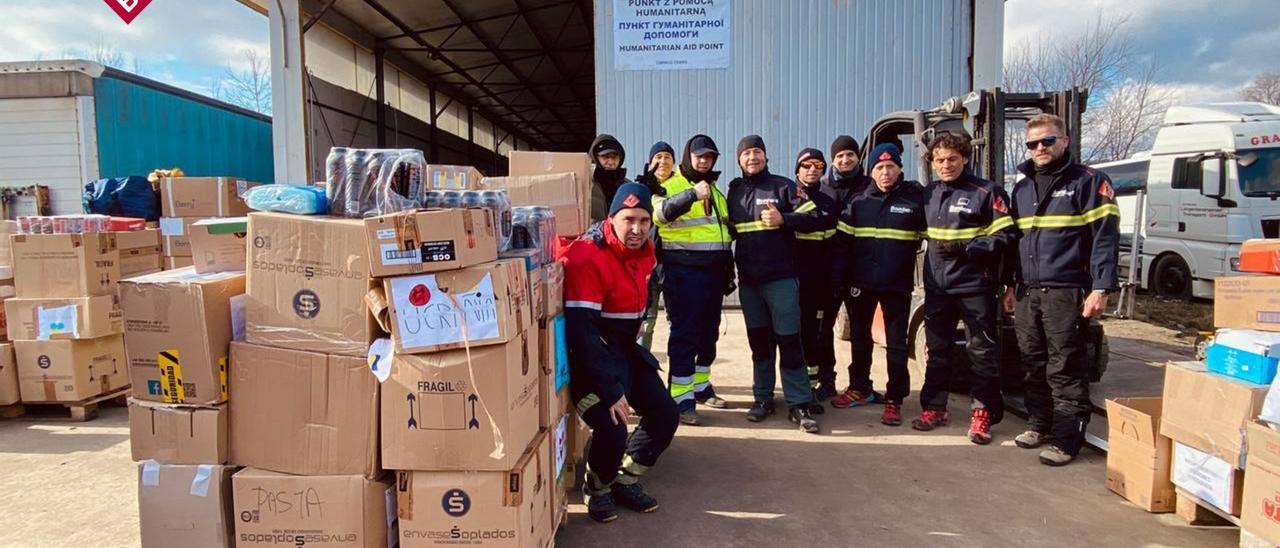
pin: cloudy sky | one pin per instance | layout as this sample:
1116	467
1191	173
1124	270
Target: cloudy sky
1205	49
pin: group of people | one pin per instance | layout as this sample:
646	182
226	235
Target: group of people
797	249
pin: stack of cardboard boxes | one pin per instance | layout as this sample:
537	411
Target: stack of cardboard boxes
64	318
141	252
186	200
9	393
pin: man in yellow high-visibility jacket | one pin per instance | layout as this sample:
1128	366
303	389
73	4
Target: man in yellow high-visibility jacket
697	269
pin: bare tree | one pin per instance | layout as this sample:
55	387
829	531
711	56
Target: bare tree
1125	104
250	88
106	54
1264	89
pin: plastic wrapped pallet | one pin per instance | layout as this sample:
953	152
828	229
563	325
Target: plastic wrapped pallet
368	182
534	227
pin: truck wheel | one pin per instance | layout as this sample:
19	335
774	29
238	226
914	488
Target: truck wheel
1172	278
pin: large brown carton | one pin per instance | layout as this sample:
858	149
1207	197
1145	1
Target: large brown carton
274	509
553	376
185	505
137	262
218	245
1260	504
509	508
477	306
177	327
1214	481
70	370
553	274
461	410
203	196
302	412
561	471
558	191
308	276
1138	457
145	239
9	393
431	240
64	318
175	263
524	162
46	266
7	228
177	434
444	177
175	232
1247	302
1207	411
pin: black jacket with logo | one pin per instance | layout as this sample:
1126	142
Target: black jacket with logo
846	185
1071	237
878	237
814	247
765	254
969	230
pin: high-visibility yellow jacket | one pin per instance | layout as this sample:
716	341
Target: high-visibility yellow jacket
693	232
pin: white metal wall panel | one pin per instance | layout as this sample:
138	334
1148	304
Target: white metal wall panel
802	72
40	143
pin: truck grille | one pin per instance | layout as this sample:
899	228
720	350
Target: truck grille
1271	228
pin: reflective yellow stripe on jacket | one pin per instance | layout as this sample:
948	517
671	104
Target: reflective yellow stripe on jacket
1069	221
696	230
881	233
997	225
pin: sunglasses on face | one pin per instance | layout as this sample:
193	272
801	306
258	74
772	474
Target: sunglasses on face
1048	142
812	165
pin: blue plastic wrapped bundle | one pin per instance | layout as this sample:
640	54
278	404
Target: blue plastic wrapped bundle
296	199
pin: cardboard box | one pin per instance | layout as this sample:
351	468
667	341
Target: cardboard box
1260	255
431	240
559	191
178	434
1208	411
476	306
554	277
308	276
9	393
508	508
302	412
148	239
177	327
461	411
1247	302
579	434
185	505
1260	504
441	177
553	377
203	196
525	162
274	509
1211	479
138	262
7	228
1245	354
1138	457
70	370
218	245
47	266
177	263
175	232
66	318
561	474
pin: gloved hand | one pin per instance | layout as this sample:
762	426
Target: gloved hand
980	248
729	285
650	180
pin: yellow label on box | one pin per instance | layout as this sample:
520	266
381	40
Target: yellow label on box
171	377
222	376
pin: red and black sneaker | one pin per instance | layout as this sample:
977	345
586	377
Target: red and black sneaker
930	419
980	427
892	414
854	398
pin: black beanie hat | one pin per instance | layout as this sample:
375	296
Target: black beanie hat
661	146
843	143
751	141
808	154
884	152
631	195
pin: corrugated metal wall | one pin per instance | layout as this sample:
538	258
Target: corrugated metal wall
141	129
802	72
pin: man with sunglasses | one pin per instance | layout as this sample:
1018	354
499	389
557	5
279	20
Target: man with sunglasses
1066	266
817	308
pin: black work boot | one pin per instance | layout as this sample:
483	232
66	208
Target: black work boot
800	415
599	501
759	411
824	391
633	497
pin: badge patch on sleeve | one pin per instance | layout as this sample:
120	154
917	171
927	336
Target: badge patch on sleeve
1106	191
999	206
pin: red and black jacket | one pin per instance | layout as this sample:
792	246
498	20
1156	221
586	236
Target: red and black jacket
765	254
878	237
606	287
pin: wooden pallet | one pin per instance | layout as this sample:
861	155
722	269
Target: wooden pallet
77	411
1197	512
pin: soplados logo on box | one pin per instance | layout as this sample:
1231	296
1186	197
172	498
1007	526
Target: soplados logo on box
456	502
128	10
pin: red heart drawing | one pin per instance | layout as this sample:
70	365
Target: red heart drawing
419	295
128	9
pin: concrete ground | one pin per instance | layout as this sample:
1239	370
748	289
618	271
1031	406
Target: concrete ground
729	483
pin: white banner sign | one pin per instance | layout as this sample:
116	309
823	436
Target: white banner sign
670	34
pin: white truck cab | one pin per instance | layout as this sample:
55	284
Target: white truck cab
1212	182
